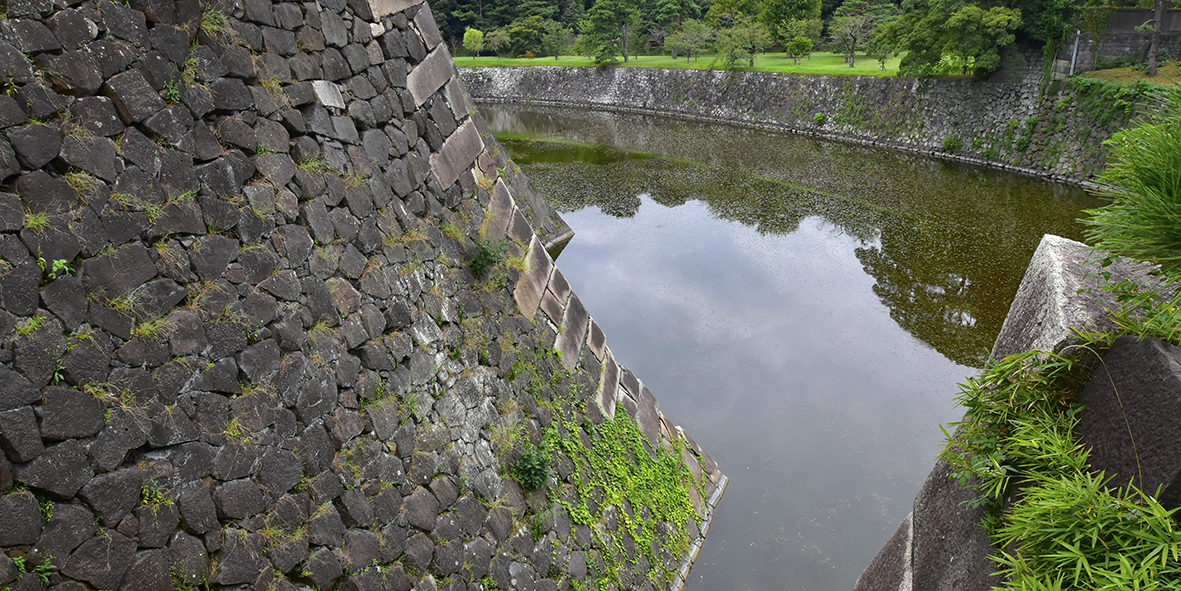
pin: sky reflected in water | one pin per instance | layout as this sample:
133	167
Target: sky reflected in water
804	309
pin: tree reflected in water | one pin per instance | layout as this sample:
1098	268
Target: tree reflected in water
946	244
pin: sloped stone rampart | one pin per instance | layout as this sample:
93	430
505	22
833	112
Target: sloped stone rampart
1012	122
277	312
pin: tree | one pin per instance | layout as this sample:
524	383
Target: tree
1158	15
798	47
742	41
473	40
855	20
725	13
525	34
609	26
690	38
557	39
670	13
792	28
938	35
777	12
881	46
497	40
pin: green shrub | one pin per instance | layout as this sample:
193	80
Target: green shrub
977	143
1144	186
819	118
1022	144
488	254
532	469
952	143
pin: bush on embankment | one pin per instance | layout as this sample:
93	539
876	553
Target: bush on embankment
1054	522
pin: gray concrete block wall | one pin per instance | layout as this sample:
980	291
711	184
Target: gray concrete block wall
240	342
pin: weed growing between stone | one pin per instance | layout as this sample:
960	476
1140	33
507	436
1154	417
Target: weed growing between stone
634	495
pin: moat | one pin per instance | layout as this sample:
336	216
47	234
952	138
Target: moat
803	308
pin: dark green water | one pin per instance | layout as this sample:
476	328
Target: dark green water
803	308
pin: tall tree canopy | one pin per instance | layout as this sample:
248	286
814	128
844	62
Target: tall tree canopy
855	20
609	28
778	12
952	37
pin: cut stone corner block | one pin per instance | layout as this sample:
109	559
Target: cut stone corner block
1062	291
531	285
380	8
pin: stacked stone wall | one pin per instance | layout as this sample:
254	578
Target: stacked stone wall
277	312
1013	122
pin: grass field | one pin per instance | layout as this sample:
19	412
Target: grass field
1168	74
819	63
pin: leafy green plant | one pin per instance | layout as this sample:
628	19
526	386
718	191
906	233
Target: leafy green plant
59	373
532	470
952	143
1144	186
819	118
171	92
488	254
42	570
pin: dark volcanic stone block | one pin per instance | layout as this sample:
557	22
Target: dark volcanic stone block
44	193
323	569
69	413
60	471
98	115
421	508
125	430
22	519
124	23
197	509
71	525
32	37
19	435
101	560
115	494
157	523
326	528
35	145
149	572
950	549
73	73
231	94
239	498
134	99
117	273
96	155
13	65
1136	389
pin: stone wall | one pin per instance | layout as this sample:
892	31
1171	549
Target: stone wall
277	312
1010	122
1122	40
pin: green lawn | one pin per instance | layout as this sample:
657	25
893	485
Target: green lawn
819	63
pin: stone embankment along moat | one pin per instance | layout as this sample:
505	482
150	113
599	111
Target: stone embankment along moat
1012	122
242	343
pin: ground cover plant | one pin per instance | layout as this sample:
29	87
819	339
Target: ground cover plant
1054	523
